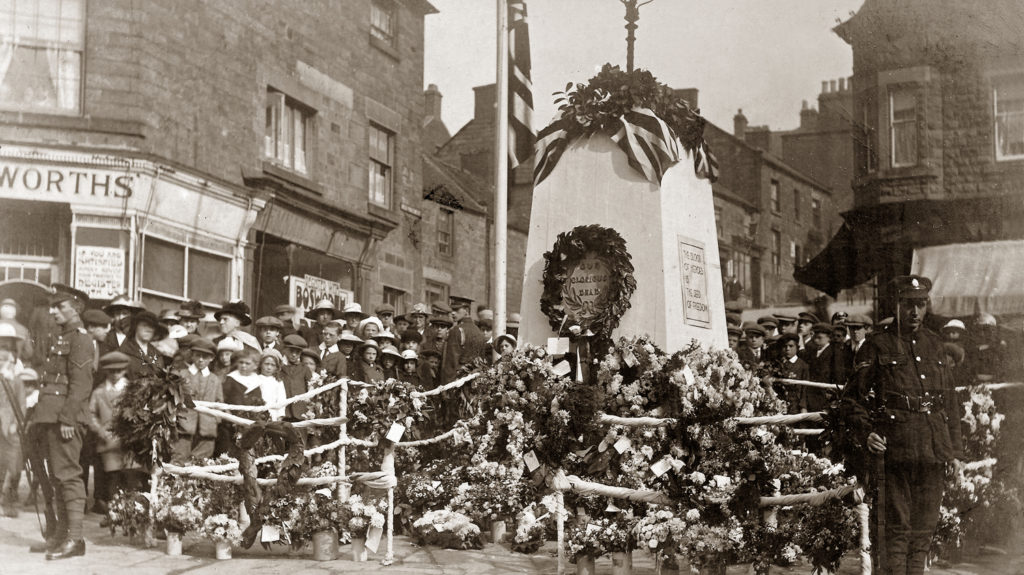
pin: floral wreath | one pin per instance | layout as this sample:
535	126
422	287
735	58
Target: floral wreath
569	248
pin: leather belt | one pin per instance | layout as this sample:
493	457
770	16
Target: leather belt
54	389
924	404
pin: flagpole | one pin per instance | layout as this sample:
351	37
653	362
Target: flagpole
501	173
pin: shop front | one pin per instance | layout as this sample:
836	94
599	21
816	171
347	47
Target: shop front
111	224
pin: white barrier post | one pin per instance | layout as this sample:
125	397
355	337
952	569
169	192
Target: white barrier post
864	521
344	488
560	522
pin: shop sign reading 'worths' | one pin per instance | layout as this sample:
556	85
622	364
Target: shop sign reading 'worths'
63	184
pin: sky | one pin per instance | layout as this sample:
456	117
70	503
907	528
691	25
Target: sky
764	56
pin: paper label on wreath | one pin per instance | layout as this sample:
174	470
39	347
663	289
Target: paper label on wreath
438	527
270	534
530	458
373	538
435	484
688	376
325	491
585	291
562	368
395	434
629	358
660	467
602	447
611	508
622	444
558	345
591	528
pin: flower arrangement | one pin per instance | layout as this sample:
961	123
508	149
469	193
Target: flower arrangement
175	508
319	511
825	533
362	515
660	531
532	525
447	529
130	510
492	491
584	540
221	528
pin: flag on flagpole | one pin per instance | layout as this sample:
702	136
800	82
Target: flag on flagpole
520	87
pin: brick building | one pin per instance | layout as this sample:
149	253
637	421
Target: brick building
199	150
938	96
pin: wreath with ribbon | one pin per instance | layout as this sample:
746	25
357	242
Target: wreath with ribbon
570	247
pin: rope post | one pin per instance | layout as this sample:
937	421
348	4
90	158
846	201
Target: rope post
154	477
560	522
343	488
389	557
864	521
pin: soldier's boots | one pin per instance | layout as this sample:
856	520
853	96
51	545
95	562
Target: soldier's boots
67	549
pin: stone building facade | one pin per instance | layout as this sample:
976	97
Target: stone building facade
271	154
938	97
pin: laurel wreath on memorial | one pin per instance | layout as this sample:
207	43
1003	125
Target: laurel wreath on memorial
570	247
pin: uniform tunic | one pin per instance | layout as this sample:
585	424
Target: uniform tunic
921	426
465	343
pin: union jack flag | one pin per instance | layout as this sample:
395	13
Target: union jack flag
520	87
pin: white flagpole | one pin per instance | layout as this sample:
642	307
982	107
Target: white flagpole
501	173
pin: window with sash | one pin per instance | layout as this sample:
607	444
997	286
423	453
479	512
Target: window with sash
1008	95
903	127
446	233
286	139
381	160
41	46
382	21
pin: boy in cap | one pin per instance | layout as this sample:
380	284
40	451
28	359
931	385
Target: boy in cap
734	334
197	432
411	340
286	315
920	431
752	354
436	335
430	368
268	331
410	364
805	320
401	324
295	376
791	367
123	473
321	314
859	326
385	312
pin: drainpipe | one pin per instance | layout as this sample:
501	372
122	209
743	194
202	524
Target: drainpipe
368	249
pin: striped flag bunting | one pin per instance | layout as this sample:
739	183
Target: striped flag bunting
520	87
551	144
705	164
650	145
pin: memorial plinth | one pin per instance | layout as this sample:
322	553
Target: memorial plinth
669	231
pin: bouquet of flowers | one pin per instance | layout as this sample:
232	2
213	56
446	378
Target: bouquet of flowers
175	508
584	539
532	525
447	529
707	544
826	533
660	531
492	491
362	515
286	513
319	511
130	510
221	528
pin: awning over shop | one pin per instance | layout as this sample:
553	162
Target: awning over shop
968	278
852	257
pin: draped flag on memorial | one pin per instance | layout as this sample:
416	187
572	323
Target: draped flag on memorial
520	87
649	144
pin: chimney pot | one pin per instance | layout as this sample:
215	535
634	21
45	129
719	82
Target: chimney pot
832	85
824	87
739	125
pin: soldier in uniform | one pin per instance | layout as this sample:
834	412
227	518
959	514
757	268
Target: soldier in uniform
902	405
465	342
62	413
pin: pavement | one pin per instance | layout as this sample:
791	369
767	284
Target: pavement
114	555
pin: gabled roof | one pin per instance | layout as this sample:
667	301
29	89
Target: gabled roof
992	23
450	186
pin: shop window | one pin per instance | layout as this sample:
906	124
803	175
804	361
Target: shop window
903	127
286	139
41	44
777	252
1009	126
436	292
383	18
395	298
446	233
180	272
796	205
776	205
381	161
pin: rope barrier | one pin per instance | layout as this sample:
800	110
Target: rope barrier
439	390
808	431
813	499
635	421
805	383
991	386
780	419
976	465
237	420
430	440
237	479
280	405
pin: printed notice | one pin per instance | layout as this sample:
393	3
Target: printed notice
99	271
693	269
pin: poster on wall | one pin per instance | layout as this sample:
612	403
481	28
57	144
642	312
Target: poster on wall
694	278
99	271
304	293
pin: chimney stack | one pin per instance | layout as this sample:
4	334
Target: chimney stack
739	125
824	86
484	102
432	102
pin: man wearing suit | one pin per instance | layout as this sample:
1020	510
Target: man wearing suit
465	341
859	326
752	355
791	367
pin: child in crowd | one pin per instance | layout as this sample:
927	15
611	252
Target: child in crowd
506	344
311	359
389	358
241	387
411	340
366	368
123	472
347	345
430	368
226	348
12	412
410	367
272	387
197	432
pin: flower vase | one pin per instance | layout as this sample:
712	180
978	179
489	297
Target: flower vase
359	549
173	543
223	550
713	566
622	563
585	565
498	529
143	537
325	545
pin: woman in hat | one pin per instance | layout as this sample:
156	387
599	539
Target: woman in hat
365	368
505	344
232	316
389	358
146	360
189	314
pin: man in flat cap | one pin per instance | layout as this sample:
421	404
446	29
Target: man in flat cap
62	413
465	341
753	353
902	406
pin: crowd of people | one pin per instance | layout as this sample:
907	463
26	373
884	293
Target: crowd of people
62	386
